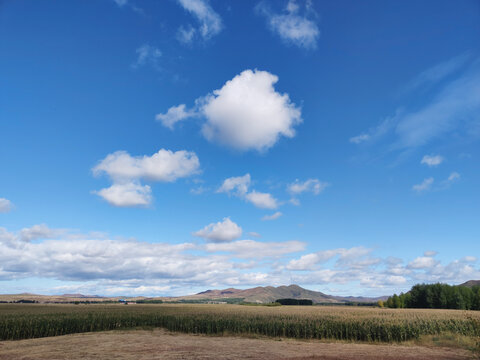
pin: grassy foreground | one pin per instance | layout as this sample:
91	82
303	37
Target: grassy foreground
24	321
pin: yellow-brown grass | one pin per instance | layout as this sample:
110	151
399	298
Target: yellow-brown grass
21	321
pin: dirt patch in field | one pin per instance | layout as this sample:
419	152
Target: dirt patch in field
161	344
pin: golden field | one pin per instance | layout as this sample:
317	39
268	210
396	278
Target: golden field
458	330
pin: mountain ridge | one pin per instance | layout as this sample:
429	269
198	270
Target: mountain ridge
471	283
257	294
266	294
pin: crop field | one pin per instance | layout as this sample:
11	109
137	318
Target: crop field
25	321
159	344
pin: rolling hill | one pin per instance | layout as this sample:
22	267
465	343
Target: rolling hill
269	294
471	283
259	294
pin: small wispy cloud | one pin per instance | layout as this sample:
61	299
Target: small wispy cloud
432	160
121	3
129	4
293	27
209	22
453	176
454	107
147	55
239	187
186	34
450	180
5	205
314	186
439	72
274	216
198	190
174	115
359	138
425	185
378	131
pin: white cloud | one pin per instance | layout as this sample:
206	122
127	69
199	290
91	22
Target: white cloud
395	280
40	231
198	190
432	160
353	258
254	234
247	113
86	259
256	249
5	205
310	261
294	201
131	5
126	172
274	216
454	107
174	115
165	165
147	54
453	176
262	200
128	194
117	264
186	35
312	185
424	185
430	253
106	266
378	131
239	186
422	262
440	71
291	26
360	138
210	23
121	2
225	230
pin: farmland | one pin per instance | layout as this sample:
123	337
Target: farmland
24	321
159	344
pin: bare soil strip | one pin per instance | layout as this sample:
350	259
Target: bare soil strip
161	344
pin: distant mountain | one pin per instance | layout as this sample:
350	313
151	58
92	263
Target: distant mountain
80	296
259	294
471	283
361	299
270	294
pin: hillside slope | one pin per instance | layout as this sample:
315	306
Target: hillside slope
269	294
471	283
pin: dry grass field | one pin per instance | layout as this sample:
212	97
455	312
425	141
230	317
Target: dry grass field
160	344
234	332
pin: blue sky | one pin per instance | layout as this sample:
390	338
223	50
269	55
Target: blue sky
166	147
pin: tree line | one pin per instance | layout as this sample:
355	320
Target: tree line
437	296
294	301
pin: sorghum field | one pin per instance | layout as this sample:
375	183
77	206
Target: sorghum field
24	321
